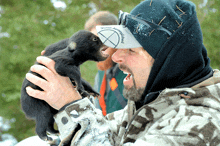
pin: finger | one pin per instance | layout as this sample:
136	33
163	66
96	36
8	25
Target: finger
37	80
49	63
35	93
42	52
43	71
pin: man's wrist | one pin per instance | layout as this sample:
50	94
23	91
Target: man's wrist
62	108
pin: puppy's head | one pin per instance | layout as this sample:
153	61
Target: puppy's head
88	45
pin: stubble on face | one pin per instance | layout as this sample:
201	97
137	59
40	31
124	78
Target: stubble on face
131	93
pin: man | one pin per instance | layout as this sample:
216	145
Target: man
173	93
109	79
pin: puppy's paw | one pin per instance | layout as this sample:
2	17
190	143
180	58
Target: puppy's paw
74	84
84	93
96	95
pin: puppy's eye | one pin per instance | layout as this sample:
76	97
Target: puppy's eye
95	39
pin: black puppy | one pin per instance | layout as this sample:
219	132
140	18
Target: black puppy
68	54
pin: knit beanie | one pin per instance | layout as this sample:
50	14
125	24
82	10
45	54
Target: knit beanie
168	14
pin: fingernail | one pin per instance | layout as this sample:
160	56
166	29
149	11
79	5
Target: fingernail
32	67
38	58
28	88
28	75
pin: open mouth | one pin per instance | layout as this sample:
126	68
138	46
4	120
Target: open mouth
128	77
102	50
128	80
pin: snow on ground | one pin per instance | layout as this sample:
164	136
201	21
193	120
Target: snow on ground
6	139
59	5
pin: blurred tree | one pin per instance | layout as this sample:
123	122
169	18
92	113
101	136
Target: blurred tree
210	24
27	27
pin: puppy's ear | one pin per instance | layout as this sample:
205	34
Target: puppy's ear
72	46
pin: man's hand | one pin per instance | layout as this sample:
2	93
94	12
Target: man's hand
42	52
58	90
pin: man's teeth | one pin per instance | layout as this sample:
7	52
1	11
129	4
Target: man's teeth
125	72
128	75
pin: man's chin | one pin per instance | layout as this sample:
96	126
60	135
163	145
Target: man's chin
132	93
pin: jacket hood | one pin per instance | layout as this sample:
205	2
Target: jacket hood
181	60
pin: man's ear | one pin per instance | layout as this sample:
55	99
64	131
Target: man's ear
72	46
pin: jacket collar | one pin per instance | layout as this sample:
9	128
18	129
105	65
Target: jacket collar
205	94
212	78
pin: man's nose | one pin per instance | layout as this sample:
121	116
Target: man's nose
118	56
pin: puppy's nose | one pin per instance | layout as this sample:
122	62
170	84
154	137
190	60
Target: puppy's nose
72	46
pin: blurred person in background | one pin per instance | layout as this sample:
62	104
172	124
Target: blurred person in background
109	79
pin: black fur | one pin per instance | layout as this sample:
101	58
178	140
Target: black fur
68	54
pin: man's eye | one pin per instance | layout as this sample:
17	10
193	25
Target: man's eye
131	50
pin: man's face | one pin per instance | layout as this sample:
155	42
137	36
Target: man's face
108	63
136	63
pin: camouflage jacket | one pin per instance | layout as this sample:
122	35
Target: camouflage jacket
179	116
